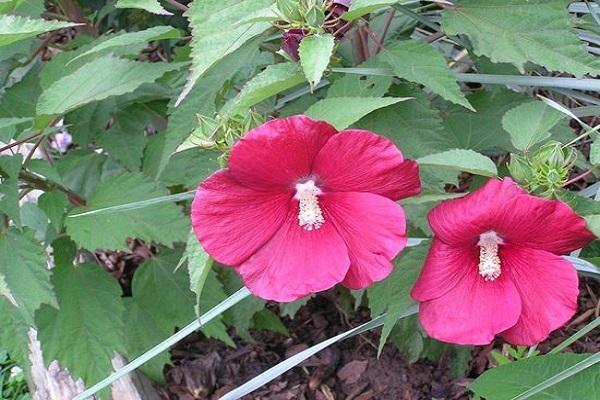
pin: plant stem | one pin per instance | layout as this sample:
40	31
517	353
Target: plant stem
41	184
578	177
178	5
18	142
388	22
375	39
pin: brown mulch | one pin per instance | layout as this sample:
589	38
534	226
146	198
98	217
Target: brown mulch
350	370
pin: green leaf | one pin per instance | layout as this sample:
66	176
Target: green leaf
358	8
190	167
133	38
54	204
315	52
342	112
266	320
104	77
407	337
290	309
199	264
13	334
14	28
9	192
517	32
392	295
270	82
218	29
212	294
85	332
162	223
7	125
414	126
421	63
352	85
25	271
481	130
509	380
461	160
530	123
81	171
152	6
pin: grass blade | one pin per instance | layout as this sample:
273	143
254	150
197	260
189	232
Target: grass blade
576	336
165	345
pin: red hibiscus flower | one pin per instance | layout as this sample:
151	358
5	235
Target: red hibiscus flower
302	207
495	268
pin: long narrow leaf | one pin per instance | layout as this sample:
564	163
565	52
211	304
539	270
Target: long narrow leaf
165	345
567	373
575	337
296	359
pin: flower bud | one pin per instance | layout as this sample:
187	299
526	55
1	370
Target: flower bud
291	42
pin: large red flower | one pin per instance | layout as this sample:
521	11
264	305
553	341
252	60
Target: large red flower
494	267
302	207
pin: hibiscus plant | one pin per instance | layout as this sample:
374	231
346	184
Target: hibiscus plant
173	166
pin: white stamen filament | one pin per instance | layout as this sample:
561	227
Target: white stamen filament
310	215
489	262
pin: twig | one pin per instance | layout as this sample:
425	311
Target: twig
18	142
178	5
375	39
364	44
388	22
578	177
40	183
34	148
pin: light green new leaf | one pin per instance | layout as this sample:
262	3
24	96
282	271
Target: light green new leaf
461	160
315	52
508	381
14	28
152	6
358	8
595	152
421	63
518	31
199	264
25	271
270	82
530	123
218	29
162	223
84	334
104	77
132	38
342	112
392	295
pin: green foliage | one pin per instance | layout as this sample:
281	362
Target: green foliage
14	28
162	223
530	123
510	380
152	6
358	8
315	52
518	32
461	160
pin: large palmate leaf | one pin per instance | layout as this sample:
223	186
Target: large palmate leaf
530	123
152	6
315	52
517	32
421	63
507	381
85	332
14	28
218	29
25	271
342	112
161	223
104	77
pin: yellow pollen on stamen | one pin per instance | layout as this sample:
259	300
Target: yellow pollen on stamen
489	262
310	216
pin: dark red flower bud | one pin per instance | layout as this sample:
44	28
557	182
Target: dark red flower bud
337	8
291	42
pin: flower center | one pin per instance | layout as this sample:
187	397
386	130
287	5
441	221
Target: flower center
310	215
489	262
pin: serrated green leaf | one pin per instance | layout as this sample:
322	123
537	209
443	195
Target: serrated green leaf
342	112
132	38
7	127
190	167
9	192
518	32
530	123
85	332
421	63
508	381
358	8
266	320
13	334
217	32
23	265
199	264
162	223
406	335
54	204
315	52
270	82
461	160
240	316
104	77
415	126
351	85
290	309
81	171
14	28
212	294
152	6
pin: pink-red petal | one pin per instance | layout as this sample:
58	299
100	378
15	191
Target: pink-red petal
548	286
296	262
374	229
275	155
503	207
232	221
361	161
444	267
473	311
